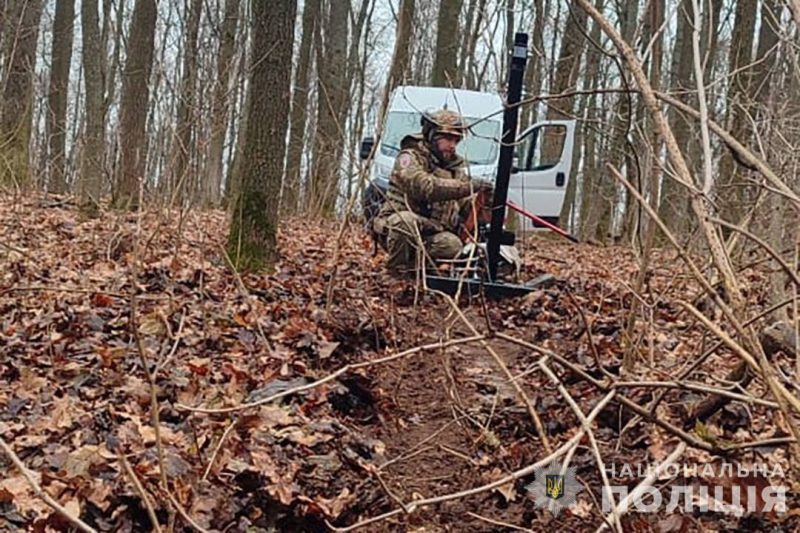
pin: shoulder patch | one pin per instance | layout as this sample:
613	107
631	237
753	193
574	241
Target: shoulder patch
405	160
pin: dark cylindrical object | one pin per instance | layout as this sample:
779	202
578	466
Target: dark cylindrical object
516	73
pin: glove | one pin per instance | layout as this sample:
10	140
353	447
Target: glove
480	184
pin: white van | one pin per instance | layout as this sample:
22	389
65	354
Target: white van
539	178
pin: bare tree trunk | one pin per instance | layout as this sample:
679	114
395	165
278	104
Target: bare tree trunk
533	74
60	59
135	99
565	79
463	43
732	194
291	190
603	226
444	63
219	109
468	68
331	110
505	53
15	107
239	111
110	73
186	103
91	175
252	242
402	43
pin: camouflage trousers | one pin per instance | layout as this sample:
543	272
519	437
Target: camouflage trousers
401	230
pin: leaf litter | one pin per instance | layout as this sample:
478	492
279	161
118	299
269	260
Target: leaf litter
74	396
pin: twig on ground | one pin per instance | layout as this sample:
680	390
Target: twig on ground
589	336
633	406
698	387
499	361
174	349
40	493
43	288
184	514
218	447
499	523
648	481
331	377
246	293
522	472
148	505
587	428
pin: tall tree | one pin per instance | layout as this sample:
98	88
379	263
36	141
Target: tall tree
252	240
444	62
134	102
331	109
591	168
505	53
220	104
183	132
565	80
738	104
19	50
603	224
402	42
299	117
91	175
533	74
60	59
674	207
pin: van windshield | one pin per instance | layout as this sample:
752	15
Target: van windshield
479	148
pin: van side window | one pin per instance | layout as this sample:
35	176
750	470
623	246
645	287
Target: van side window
542	148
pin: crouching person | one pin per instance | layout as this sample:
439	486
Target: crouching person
429	192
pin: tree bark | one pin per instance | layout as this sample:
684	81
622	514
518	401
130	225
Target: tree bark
674	207
181	143
444	62
402	43
219	110
91	177
565	79
299	117
591	173
15	107
331	110
252	240
738	106
134	102
603	225
60	59
533	74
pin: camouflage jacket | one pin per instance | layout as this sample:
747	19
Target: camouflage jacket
429	187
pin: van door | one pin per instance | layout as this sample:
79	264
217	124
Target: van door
539	180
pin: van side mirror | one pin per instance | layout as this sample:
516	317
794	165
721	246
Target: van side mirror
515	164
367	144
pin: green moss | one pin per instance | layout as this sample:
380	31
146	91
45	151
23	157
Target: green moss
14	170
252	242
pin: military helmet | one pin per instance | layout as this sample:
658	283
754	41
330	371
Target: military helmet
445	122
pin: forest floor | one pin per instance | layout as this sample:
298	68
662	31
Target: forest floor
75	399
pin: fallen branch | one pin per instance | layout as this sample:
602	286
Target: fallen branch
330	377
148	505
515	383
217	448
633	406
587	428
413	506
647	482
40	493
